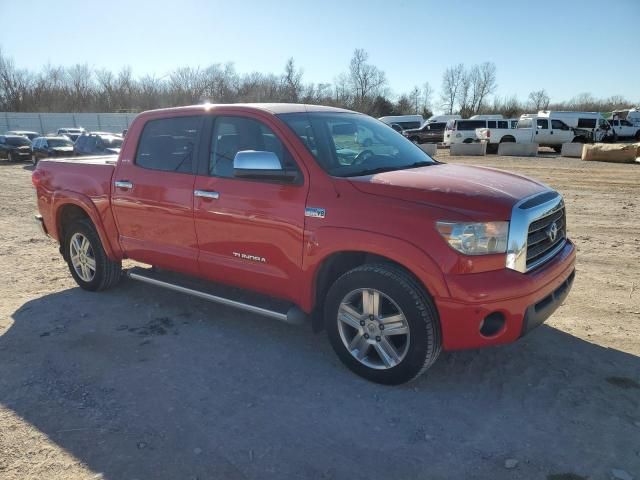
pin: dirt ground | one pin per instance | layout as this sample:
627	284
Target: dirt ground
141	383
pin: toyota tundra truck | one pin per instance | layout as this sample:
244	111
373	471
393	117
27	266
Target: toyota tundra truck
277	210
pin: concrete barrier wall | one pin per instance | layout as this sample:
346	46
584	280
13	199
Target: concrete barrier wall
430	149
50	122
469	149
573	150
518	149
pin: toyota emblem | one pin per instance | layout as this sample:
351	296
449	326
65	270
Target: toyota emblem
552	232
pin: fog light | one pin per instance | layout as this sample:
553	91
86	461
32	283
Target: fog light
492	324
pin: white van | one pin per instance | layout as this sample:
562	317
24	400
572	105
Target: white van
464	131
443	118
405	121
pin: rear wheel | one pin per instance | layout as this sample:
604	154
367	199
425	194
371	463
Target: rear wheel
637	137
579	140
88	262
381	324
557	148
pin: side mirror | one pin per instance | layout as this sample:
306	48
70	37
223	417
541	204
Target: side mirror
261	165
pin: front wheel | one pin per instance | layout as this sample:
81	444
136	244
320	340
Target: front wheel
88	262
381	324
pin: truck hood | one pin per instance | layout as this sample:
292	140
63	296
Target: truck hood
479	192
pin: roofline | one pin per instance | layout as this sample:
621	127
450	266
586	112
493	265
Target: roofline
272	108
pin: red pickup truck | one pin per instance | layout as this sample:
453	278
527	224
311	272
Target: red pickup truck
397	256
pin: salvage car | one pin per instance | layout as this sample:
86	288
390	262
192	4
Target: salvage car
15	148
46	147
397	256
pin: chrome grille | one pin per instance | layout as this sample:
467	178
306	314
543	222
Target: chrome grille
541	244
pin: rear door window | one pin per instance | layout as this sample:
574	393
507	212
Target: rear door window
491	124
169	144
559	125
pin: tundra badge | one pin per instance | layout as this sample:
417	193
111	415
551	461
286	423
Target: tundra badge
314	212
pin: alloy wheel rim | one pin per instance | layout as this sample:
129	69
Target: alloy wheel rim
373	328
82	257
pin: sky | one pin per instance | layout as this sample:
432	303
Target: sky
564	46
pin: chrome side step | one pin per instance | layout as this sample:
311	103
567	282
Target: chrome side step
294	315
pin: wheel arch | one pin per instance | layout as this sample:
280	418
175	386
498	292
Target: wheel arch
337	263
67	208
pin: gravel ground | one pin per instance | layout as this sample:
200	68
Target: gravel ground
141	383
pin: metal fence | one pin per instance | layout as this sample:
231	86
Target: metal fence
50	122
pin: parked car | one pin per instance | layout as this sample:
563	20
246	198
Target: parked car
428	133
15	148
97	143
396	255
71	133
46	147
24	133
405	121
625	129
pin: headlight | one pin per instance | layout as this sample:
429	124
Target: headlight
475	238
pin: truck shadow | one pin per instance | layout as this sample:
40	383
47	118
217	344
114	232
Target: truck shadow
142	383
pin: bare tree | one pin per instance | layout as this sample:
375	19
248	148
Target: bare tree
366	81
291	82
539	100
482	83
452	79
415	99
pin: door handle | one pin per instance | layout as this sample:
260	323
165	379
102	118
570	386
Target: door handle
206	194
126	184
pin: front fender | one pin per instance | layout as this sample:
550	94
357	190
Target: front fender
326	241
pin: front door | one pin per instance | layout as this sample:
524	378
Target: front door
544	135
250	232
153	195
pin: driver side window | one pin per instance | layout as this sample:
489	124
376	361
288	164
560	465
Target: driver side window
236	134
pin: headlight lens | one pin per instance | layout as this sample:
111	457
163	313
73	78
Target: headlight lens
475	238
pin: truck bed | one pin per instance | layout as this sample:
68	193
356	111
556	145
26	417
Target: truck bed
85	180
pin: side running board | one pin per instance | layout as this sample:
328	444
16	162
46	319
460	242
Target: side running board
277	310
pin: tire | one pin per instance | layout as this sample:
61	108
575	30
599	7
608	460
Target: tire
106	273
637	136
468	140
579	140
349	323
508	139
557	148
492	148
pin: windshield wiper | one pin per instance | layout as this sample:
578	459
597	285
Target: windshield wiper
372	171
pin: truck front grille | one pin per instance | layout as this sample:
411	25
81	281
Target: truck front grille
546	236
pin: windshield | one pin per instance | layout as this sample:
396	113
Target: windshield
59	142
351	144
18	141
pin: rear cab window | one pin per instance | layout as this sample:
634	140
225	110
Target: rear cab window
470	124
169	144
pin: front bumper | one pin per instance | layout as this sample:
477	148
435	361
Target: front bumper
40	222
523	300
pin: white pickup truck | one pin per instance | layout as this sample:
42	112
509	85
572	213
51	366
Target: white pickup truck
548	129
625	129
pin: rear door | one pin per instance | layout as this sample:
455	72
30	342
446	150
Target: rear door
152	195
250	232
